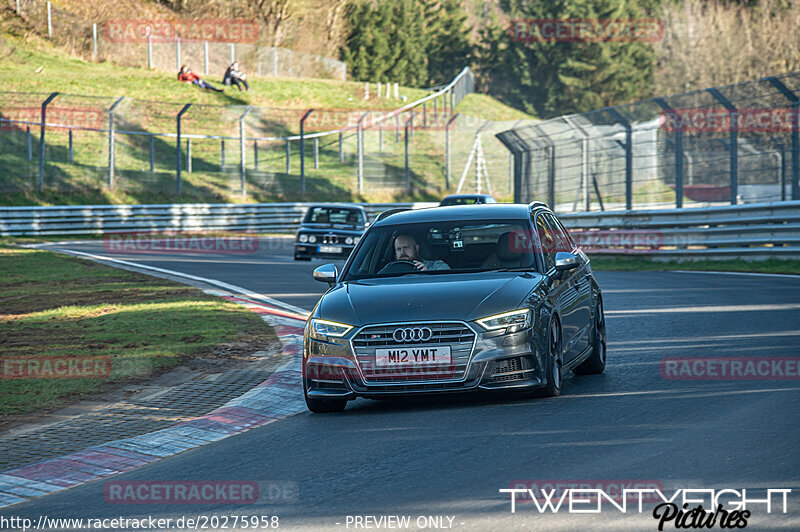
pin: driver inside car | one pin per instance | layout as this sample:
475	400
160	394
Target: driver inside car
406	248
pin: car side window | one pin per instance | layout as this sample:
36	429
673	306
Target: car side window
548	242
562	240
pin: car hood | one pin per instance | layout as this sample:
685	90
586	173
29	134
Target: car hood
426	297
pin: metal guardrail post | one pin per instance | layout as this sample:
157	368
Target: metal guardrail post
178	53
782	148
40	183
341	147
149	51
303	151
243	153
111	142
316	153
679	171
628	156
152	154
30	142
178	147
222	155
205	58
288	157
795	102
447	152
734	141
71	152
189	156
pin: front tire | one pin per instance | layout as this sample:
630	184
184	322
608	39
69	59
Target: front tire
596	363
323	406
553	373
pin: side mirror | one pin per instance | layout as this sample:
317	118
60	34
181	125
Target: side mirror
566	261
326	274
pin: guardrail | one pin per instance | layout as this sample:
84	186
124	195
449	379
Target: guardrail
748	231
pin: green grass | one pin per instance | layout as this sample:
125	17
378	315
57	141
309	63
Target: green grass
58	306
787	266
154	98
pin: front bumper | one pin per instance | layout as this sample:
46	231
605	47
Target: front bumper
496	362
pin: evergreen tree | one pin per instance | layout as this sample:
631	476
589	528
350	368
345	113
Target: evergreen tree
552	78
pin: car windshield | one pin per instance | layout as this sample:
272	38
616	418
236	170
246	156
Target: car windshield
333	215
444	247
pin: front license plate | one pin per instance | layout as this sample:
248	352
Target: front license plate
399	357
329	249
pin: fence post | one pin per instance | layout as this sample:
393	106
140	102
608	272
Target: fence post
255	155
679	170
242	152
628	156
288	157
782	149
189	155
94	42
178	146
49	22
149	52
303	151
360	155
18	9
233	52
152	154
111	141
222	155
316	153
424	114
177	53
341	147
205	57
734	142
793	98
380	137
405	141
41	140
30	143
71	153
447	166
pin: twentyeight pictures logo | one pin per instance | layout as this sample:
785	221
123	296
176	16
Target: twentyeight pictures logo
586	30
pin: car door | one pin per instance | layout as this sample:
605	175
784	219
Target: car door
581	287
560	292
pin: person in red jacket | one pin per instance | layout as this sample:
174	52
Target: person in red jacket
186	75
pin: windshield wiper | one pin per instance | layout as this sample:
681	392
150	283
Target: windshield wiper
515	269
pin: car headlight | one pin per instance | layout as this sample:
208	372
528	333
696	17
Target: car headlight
324	328
512	321
348	240
312	239
302	238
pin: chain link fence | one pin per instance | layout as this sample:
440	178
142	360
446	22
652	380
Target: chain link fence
67	143
725	145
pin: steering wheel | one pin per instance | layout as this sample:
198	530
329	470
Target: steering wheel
399	266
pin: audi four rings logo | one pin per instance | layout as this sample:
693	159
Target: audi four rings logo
412	334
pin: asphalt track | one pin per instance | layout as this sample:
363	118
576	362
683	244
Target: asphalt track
450	457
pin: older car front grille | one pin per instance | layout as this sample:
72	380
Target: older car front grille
457	335
330	239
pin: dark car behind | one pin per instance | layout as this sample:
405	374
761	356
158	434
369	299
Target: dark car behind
330	231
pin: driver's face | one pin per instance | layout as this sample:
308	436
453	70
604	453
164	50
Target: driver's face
406	248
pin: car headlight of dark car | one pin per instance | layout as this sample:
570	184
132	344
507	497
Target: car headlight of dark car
302	238
312	239
349	240
508	322
325	329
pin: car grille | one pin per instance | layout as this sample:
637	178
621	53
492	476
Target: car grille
509	369
329	239
457	335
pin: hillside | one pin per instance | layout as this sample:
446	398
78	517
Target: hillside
152	100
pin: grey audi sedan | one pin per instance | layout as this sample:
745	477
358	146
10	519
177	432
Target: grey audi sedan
454	299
